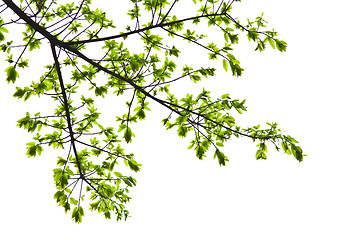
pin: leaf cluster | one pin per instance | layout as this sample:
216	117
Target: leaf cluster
92	150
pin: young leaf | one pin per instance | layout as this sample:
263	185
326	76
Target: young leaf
225	65
128	134
12	74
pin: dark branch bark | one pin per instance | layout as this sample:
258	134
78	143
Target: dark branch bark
66	106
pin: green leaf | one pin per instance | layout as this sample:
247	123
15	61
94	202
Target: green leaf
134	165
200	152
77	214
219	144
23	63
226	37
128	134
182	130
81	211
297	152
39	149
271	42
281	45
127	182
100	91
12	74
66	207
61	161
286	148
141	114
2	37
225	96
112	165
174	51
2	29
122	127
222	159
73	201
33	149
258	154
60	197
225	65
19	92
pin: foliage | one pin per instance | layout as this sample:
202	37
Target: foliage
70	31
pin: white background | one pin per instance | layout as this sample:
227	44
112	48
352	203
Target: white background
311	91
